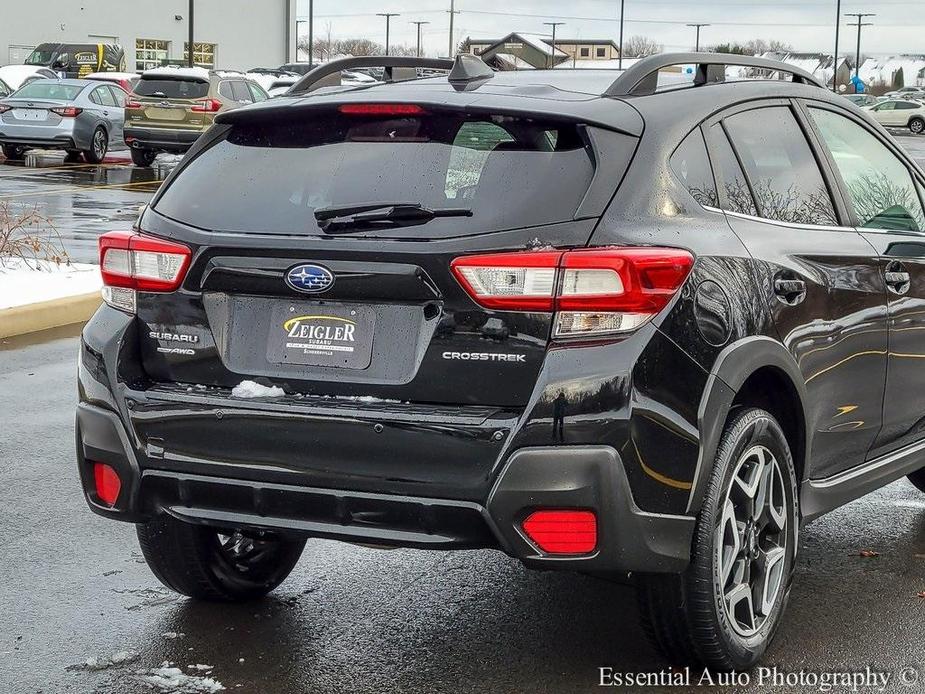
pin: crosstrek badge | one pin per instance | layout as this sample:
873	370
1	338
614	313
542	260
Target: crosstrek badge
332	335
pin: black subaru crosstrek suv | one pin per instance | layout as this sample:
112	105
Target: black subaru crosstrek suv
611	322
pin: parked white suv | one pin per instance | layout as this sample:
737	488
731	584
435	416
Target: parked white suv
900	113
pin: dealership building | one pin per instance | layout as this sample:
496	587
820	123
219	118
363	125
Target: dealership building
228	34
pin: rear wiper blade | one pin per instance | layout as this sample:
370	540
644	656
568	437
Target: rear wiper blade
337	219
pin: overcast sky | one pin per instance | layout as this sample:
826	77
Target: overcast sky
808	25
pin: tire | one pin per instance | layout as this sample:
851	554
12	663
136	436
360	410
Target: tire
143	157
14	152
917	126
205	564
918	479
686	615
99	145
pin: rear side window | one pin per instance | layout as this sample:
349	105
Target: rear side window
172	88
880	187
691	164
241	92
780	166
737	197
509	172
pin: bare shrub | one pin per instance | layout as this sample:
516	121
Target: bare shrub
29	236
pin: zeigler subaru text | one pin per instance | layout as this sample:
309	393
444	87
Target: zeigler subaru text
609	322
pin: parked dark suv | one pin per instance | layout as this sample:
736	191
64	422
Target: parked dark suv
607	322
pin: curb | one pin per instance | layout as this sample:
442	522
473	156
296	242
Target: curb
31	318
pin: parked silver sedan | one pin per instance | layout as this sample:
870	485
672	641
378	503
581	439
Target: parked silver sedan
79	116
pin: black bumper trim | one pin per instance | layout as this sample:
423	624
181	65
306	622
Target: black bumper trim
161	138
586	477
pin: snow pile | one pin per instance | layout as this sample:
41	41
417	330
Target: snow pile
172	680
252	389
180	73
25	282
95	664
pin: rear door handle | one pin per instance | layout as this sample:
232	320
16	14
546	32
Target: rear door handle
897	278
790	291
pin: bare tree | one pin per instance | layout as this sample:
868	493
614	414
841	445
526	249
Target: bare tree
640	47
752	47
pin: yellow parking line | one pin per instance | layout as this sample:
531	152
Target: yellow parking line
20	170
77	189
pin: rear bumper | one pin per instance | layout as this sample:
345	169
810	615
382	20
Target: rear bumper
162	139
66	135
585	477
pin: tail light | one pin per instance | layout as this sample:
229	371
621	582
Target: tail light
4	108
67	111
594	291
562	532
132	262
206	106
131	103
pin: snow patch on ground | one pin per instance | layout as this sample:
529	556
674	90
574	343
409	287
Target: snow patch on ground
252	389
95	663
24	282
172	680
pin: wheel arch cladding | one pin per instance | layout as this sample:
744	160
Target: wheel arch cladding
755	372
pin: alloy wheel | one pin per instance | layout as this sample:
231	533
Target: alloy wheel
99	144
752	541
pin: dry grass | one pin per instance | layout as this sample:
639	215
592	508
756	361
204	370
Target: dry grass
27	235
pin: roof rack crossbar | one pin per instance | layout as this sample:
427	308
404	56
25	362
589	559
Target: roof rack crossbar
641	78
328	74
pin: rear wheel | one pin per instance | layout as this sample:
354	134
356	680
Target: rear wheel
724	609
918	479
218	565
143	157
99	145
917	126
14	152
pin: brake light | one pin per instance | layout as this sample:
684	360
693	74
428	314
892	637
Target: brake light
67	111
131	103
381	109
562	532
4	108
206	106
132	262
592	291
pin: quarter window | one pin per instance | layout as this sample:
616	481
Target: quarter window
102	96
879	184
737	196
691	165
225	90
780	166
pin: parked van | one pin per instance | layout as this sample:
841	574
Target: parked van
78	59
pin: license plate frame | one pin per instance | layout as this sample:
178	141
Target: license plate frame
331	335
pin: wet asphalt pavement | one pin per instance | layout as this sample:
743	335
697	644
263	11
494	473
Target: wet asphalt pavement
74	587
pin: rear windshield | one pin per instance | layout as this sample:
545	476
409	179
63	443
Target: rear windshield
171	88
509	172
47	89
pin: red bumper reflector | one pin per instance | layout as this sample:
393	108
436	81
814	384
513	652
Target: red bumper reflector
562	532
108	483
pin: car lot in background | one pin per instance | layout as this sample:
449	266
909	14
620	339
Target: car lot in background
900	113
862	100
12	77
171	107
79	116
906	93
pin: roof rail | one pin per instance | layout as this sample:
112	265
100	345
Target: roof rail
328	74
641	78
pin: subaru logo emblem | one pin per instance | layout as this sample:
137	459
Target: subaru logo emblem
309	278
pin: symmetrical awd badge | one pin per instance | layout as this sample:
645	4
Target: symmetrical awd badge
309	278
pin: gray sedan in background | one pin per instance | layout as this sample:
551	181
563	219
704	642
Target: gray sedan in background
79	116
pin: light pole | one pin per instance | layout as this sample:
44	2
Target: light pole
837	28
388	16
311	31
189	41
550	62
419	36
620	57
860	23
453	12
697	26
